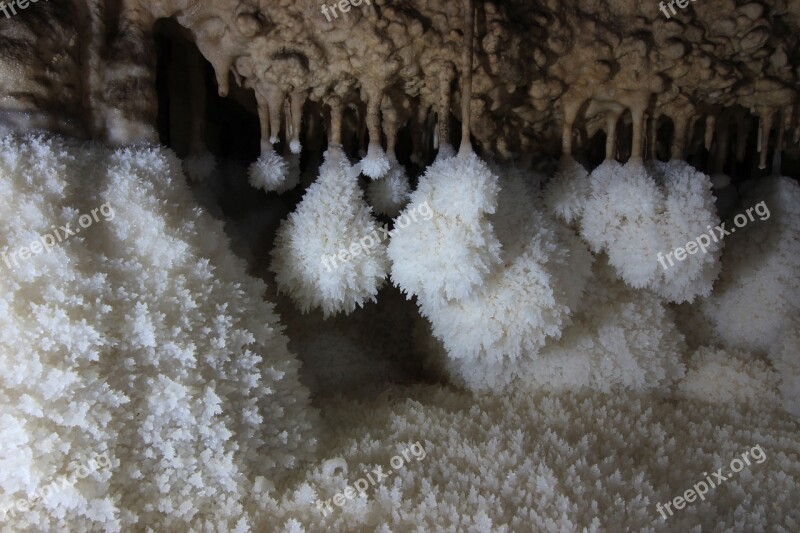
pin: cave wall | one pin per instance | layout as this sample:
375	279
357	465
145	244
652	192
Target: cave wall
547	75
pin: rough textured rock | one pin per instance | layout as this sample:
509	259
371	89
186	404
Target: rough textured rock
545	74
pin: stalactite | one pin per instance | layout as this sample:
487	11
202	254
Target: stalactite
335	134
652	136
637	103
708	138
92	18
374	118
466	78
446	76
215	44
263	118
291	150
275	99
360	127
571	106
759	135
612	118
298	101
269	172
222	70
765	127
129	119
288	125
390	194
390	126
375	165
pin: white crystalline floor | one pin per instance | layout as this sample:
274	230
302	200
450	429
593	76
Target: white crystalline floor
144	338
565	462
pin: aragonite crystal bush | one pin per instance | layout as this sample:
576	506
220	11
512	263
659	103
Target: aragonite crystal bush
253	252
308	261
633	214
757	298
140	336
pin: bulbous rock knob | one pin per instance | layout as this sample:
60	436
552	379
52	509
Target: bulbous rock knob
249	24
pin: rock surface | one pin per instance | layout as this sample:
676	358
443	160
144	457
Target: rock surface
543	72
